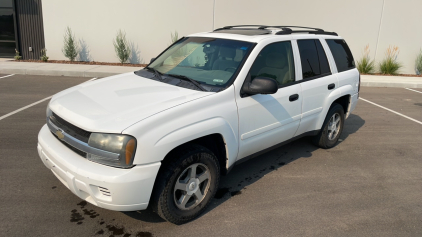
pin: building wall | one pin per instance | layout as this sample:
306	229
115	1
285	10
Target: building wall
148	24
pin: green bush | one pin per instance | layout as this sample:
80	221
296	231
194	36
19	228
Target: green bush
365	65
121	46
17	56
174	37
71	47
44	57
389	65
418	63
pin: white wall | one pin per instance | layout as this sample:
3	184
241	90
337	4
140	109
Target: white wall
148	24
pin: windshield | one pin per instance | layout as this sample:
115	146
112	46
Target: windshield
208	61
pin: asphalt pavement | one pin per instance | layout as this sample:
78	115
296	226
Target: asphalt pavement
368	185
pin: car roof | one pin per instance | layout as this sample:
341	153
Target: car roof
256	33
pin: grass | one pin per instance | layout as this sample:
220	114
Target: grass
389	65
365	65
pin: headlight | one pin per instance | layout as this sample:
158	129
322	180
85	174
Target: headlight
123	145
48	112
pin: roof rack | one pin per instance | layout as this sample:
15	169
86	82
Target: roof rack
285	30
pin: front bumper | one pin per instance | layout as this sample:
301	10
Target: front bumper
107	187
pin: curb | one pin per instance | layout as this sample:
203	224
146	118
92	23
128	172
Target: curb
62	73
71	70
391	81
391	84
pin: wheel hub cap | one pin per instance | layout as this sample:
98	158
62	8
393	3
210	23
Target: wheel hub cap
192	186
334	126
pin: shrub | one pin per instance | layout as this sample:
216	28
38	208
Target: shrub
365	64
389	65
174	37
418	63
121	46
17	56
71	47
44	57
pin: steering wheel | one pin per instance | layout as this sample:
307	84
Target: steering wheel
230	69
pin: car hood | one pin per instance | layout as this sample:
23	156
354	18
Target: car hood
113	104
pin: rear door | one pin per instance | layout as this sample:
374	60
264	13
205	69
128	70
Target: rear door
347	72
317	83
267	120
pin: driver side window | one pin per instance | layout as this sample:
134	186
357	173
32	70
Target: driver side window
275	61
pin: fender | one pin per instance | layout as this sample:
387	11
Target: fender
348	90
159	134
334	95
216	125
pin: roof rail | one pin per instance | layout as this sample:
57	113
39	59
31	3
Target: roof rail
285	30
230	27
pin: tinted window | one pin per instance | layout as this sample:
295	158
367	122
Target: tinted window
313	58
275	61
342	55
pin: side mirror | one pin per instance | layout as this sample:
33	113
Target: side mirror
152	60
259	85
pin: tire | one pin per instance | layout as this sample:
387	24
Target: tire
177	193
328	136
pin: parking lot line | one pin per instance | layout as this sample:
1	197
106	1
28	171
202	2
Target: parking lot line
414	120
7	76
413	90
35	103
23	108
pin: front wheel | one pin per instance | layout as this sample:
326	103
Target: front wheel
186	184
331	129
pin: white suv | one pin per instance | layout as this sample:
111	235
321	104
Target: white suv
163	135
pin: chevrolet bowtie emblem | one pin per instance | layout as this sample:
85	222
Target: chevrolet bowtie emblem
60	134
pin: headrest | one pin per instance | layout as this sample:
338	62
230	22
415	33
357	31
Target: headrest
227	52
276	60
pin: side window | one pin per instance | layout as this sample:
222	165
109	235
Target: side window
342	55
275	61
313	58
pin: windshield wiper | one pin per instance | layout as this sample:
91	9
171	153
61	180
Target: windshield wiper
185	78
156	73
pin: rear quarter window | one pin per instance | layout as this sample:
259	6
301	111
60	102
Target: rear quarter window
342	54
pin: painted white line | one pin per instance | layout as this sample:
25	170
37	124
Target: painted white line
23	108
413	90
35	103
7	76
414	120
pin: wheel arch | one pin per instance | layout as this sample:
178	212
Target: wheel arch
339	96
214	142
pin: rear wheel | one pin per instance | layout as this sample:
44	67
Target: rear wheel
186	185
331	129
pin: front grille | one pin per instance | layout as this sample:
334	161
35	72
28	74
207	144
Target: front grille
76	150
70	129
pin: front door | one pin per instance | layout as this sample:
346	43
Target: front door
267	120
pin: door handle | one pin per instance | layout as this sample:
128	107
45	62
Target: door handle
293	97
331	86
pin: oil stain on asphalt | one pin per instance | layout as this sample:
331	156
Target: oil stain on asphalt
108	229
